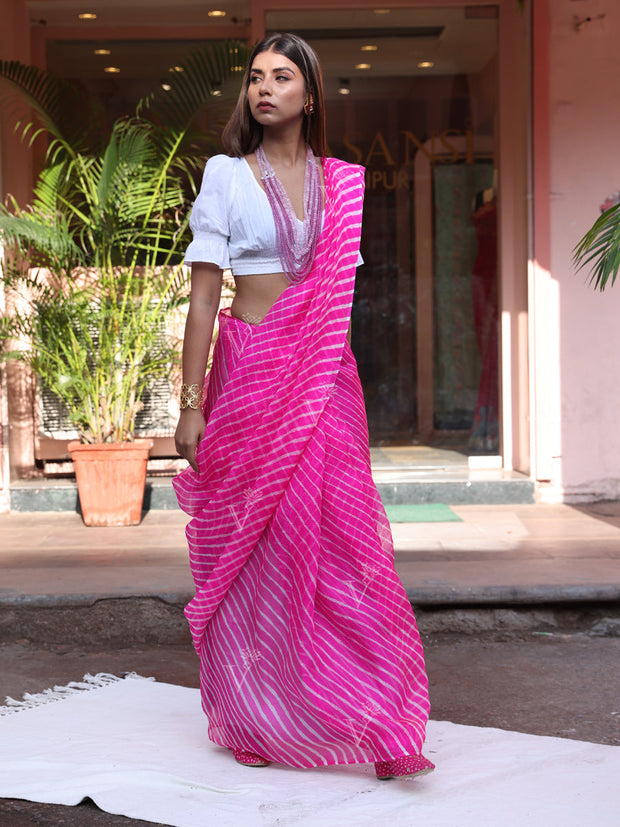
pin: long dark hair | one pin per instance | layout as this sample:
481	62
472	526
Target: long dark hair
242	134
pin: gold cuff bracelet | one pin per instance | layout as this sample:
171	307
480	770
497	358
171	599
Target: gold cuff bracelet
191	396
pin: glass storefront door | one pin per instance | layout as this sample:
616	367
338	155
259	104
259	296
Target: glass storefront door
412	95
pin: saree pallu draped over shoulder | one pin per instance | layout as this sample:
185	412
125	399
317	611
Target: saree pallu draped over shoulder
309	650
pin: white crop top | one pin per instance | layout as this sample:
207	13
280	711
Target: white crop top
232	222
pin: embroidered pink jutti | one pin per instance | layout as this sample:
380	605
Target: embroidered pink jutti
309	651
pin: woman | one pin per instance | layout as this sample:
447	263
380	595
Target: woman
309	652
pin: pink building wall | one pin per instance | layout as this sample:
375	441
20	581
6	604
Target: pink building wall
15	177
584	418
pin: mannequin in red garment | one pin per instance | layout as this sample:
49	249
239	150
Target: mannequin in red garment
485	429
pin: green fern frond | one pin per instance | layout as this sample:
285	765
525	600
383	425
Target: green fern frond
599	249
67	112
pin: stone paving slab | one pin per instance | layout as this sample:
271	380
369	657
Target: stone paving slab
497	554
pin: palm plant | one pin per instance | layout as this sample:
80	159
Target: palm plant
600	249
95	263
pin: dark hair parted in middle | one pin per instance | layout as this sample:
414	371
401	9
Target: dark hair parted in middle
242	134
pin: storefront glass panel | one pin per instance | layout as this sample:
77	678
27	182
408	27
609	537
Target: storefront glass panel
412	95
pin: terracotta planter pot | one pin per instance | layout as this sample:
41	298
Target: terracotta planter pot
111	479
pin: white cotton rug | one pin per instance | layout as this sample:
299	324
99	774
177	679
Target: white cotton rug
138	748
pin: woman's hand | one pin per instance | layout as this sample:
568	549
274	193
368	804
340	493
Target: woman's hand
188	434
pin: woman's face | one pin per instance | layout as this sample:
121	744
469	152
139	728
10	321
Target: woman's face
277	90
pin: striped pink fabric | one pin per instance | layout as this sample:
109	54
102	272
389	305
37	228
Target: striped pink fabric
309	651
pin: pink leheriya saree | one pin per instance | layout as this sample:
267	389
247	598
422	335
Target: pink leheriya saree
309	651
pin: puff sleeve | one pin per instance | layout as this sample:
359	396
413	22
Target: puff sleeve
209	219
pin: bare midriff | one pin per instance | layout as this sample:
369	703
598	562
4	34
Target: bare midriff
255	295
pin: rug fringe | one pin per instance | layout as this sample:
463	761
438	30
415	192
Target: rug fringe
58	693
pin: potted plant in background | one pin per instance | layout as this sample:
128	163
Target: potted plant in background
95	267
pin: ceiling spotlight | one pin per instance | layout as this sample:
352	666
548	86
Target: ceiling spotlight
362	65
216	13
425	64
343	87
103	52
216	93
369	48
166	86
237	68
87	15
112	70
176	69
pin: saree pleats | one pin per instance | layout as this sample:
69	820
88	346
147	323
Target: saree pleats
309	651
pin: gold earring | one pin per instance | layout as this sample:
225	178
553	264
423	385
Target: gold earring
309	105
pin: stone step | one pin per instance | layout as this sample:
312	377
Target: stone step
404	486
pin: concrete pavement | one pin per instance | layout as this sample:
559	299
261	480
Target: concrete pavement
76	600
497	555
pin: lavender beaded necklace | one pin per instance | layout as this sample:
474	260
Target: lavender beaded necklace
296	240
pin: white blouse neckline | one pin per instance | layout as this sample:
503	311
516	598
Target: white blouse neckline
251	172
